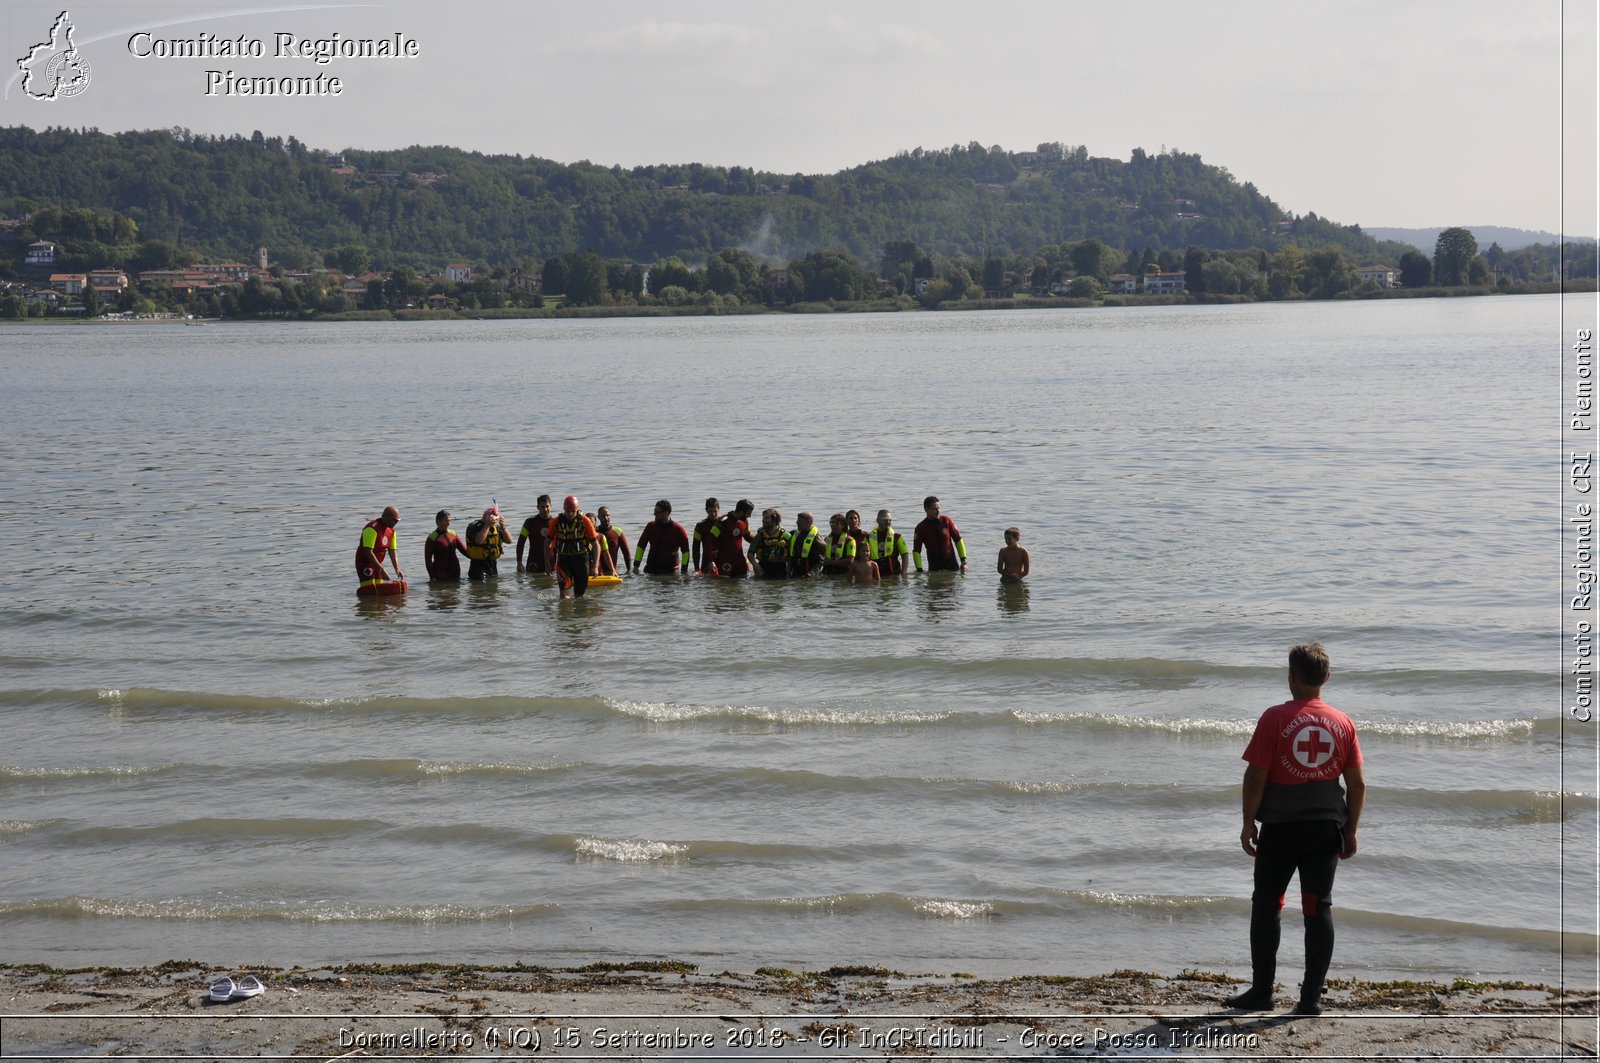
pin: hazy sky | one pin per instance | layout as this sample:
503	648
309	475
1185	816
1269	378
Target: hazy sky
1394	113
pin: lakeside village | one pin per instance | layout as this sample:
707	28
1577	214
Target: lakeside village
1081	273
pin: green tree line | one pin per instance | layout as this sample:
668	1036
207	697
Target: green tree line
222	197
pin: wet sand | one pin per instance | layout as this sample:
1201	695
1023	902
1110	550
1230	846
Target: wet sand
661	1011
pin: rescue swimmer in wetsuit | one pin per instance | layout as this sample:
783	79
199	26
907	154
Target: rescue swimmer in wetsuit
612	542
535	538
377	542
706	534
575	539
439	550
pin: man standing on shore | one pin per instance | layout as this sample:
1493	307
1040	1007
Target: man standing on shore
1298	754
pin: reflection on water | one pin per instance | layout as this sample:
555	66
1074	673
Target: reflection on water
1012	598
380	606
443	594
941	594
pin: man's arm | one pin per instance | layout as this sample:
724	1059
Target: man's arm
1355	795
1255	786
645	538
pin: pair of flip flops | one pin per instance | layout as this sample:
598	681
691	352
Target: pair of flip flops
225	989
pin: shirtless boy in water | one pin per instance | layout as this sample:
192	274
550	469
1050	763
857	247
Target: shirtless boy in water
863	569
1013	561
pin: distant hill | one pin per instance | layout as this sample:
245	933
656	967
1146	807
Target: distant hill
1508	239
225	196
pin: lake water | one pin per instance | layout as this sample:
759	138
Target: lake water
214	751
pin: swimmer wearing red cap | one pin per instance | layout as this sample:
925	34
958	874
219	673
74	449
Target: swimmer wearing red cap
575	541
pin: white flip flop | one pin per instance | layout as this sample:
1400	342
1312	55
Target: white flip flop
248	986
221	990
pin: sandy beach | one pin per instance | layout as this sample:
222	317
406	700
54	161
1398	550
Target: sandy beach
661	1011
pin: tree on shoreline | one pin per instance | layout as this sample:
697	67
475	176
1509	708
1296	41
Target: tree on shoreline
1452	253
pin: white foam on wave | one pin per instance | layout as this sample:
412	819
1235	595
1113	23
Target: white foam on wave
1174	725
113	771
661	712
466	768
1117	899
629	852
317	913
1020	787
954	910
1463	729
1449	729
21	826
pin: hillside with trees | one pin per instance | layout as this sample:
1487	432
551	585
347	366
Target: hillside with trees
222	197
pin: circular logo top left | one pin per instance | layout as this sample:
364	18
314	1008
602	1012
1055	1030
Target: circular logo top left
54	69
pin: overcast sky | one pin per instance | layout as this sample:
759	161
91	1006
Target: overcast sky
1376	112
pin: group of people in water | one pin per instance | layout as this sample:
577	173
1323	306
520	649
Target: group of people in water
574	546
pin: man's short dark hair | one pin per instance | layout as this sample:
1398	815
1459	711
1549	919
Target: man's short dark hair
664	504
542	500
930	500
745	506
713	502
1309	664
441	515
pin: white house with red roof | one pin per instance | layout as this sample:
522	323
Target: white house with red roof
1382	276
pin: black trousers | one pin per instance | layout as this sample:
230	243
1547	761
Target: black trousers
575	571
1283	850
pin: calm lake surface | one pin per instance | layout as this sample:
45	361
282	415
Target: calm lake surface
214	751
